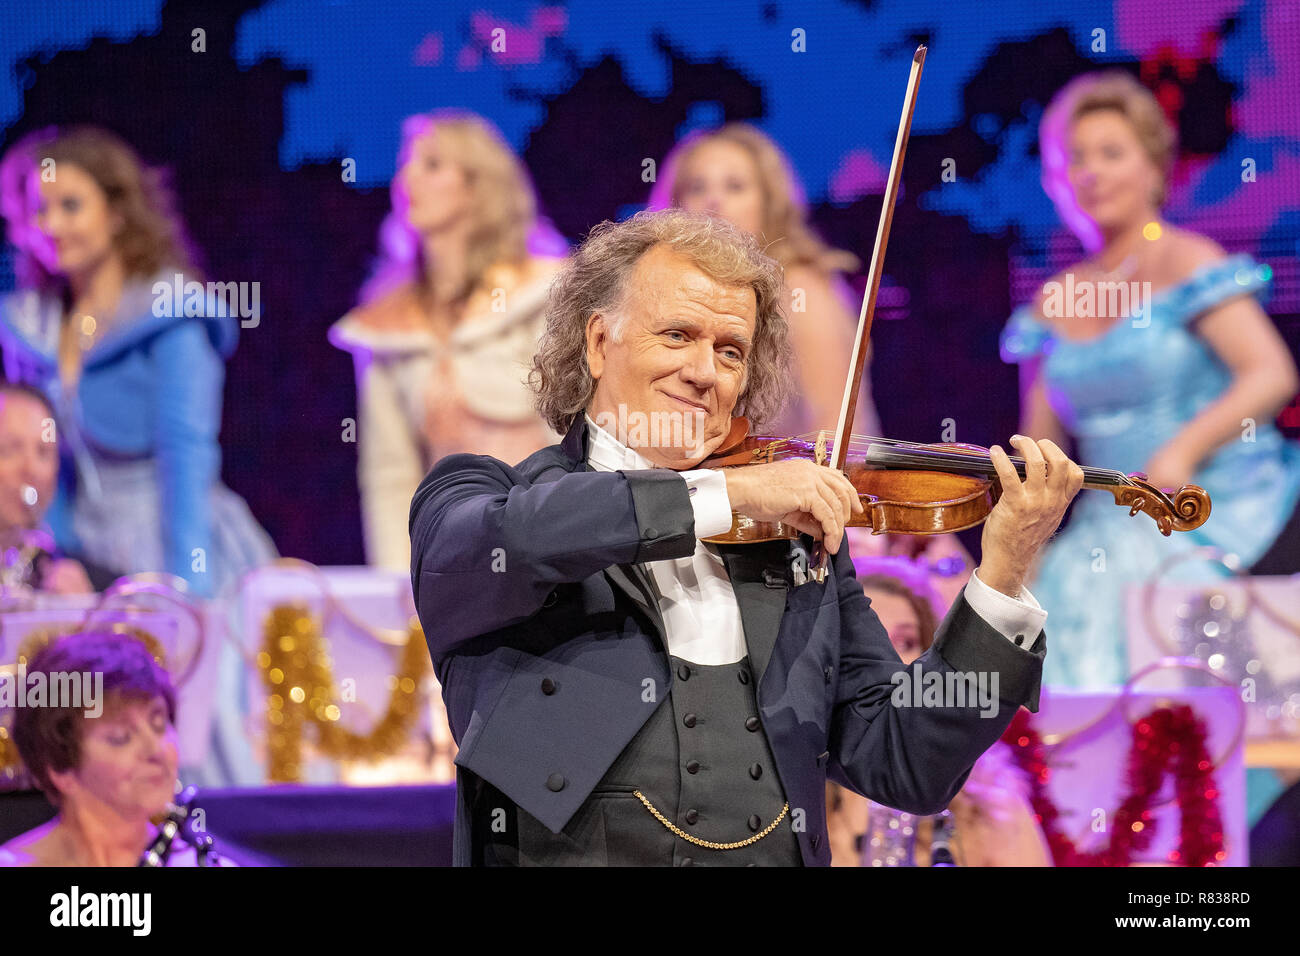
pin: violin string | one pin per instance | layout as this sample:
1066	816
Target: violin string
928	455
960	462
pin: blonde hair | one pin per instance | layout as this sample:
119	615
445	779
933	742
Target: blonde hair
503	201
786	234
1090	93
595	280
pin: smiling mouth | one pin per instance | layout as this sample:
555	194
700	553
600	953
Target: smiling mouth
689	404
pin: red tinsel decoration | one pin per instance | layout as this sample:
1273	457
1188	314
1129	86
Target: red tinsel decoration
1165	739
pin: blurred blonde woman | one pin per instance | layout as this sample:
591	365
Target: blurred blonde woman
449	321
737	172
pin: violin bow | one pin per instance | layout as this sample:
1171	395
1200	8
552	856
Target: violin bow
857	367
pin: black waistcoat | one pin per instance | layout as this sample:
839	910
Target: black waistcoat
702	760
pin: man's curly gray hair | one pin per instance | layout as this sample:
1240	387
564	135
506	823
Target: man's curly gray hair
595	279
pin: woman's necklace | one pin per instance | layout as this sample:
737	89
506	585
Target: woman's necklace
1121	272
77	334
1128	265
86	328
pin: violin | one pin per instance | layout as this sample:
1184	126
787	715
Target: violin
909	487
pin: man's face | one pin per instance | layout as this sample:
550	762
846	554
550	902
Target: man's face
668	385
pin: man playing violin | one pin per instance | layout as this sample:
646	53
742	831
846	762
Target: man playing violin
624	693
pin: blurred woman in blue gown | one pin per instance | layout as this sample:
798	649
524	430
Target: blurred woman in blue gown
1183	385
135	374
135	378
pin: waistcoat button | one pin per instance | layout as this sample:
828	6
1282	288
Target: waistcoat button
692	766
692	816
555	782
756	771
548	686
689	720
751	723
755	822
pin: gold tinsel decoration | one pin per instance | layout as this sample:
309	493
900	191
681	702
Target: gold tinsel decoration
11	768
299	679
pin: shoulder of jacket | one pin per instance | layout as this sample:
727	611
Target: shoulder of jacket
546	464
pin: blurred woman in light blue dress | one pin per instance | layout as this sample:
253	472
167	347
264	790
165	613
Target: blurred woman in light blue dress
1183	386
135	375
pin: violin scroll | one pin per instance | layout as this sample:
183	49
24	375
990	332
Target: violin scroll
1187	510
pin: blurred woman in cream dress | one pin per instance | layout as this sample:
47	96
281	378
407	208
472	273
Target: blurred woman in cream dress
445	333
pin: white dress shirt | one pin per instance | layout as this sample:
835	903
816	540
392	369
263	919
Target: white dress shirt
701	617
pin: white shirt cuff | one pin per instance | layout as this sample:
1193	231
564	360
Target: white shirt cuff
1017	620
708	490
